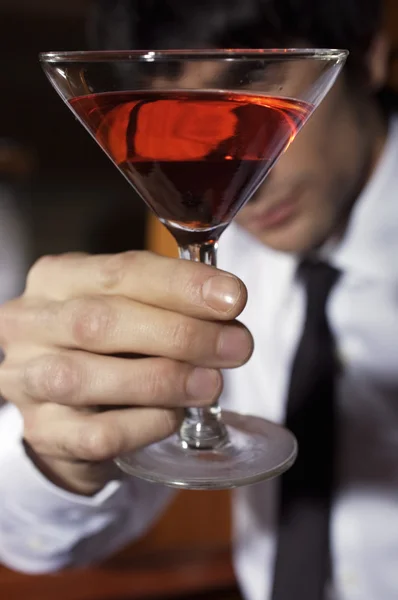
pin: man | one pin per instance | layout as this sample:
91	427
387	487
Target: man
334	191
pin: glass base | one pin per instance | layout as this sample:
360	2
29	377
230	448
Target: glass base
257	450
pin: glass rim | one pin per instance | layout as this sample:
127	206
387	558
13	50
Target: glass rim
200	54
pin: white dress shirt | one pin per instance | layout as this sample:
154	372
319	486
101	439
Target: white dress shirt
43	528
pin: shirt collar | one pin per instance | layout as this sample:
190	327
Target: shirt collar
370	245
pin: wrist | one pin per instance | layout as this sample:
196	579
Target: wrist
78	477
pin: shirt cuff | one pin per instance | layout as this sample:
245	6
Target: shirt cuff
41	496
44	528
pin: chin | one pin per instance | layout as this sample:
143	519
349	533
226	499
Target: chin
281	244
297	237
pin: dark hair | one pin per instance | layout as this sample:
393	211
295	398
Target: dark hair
177	24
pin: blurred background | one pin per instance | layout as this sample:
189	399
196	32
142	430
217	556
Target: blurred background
66	191
45	153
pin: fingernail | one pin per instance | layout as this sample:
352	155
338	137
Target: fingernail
235	345
203	383
221	292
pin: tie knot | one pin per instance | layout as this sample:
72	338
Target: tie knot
315	269
318	278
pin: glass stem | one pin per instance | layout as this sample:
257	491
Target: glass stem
202	428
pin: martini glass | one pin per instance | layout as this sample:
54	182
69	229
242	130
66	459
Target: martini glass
195	133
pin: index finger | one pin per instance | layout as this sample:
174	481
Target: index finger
182	286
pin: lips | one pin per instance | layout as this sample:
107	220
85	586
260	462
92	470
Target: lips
269	217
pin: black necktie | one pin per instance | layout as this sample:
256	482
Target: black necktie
303	563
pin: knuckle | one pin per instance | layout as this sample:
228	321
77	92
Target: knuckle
46	270
53	378
97	442
91	319
38	433
38	271
113	270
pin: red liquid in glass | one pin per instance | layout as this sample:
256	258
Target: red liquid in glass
195	157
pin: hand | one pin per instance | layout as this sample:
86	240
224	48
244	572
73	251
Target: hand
68	343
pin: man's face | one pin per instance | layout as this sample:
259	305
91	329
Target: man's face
312	186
